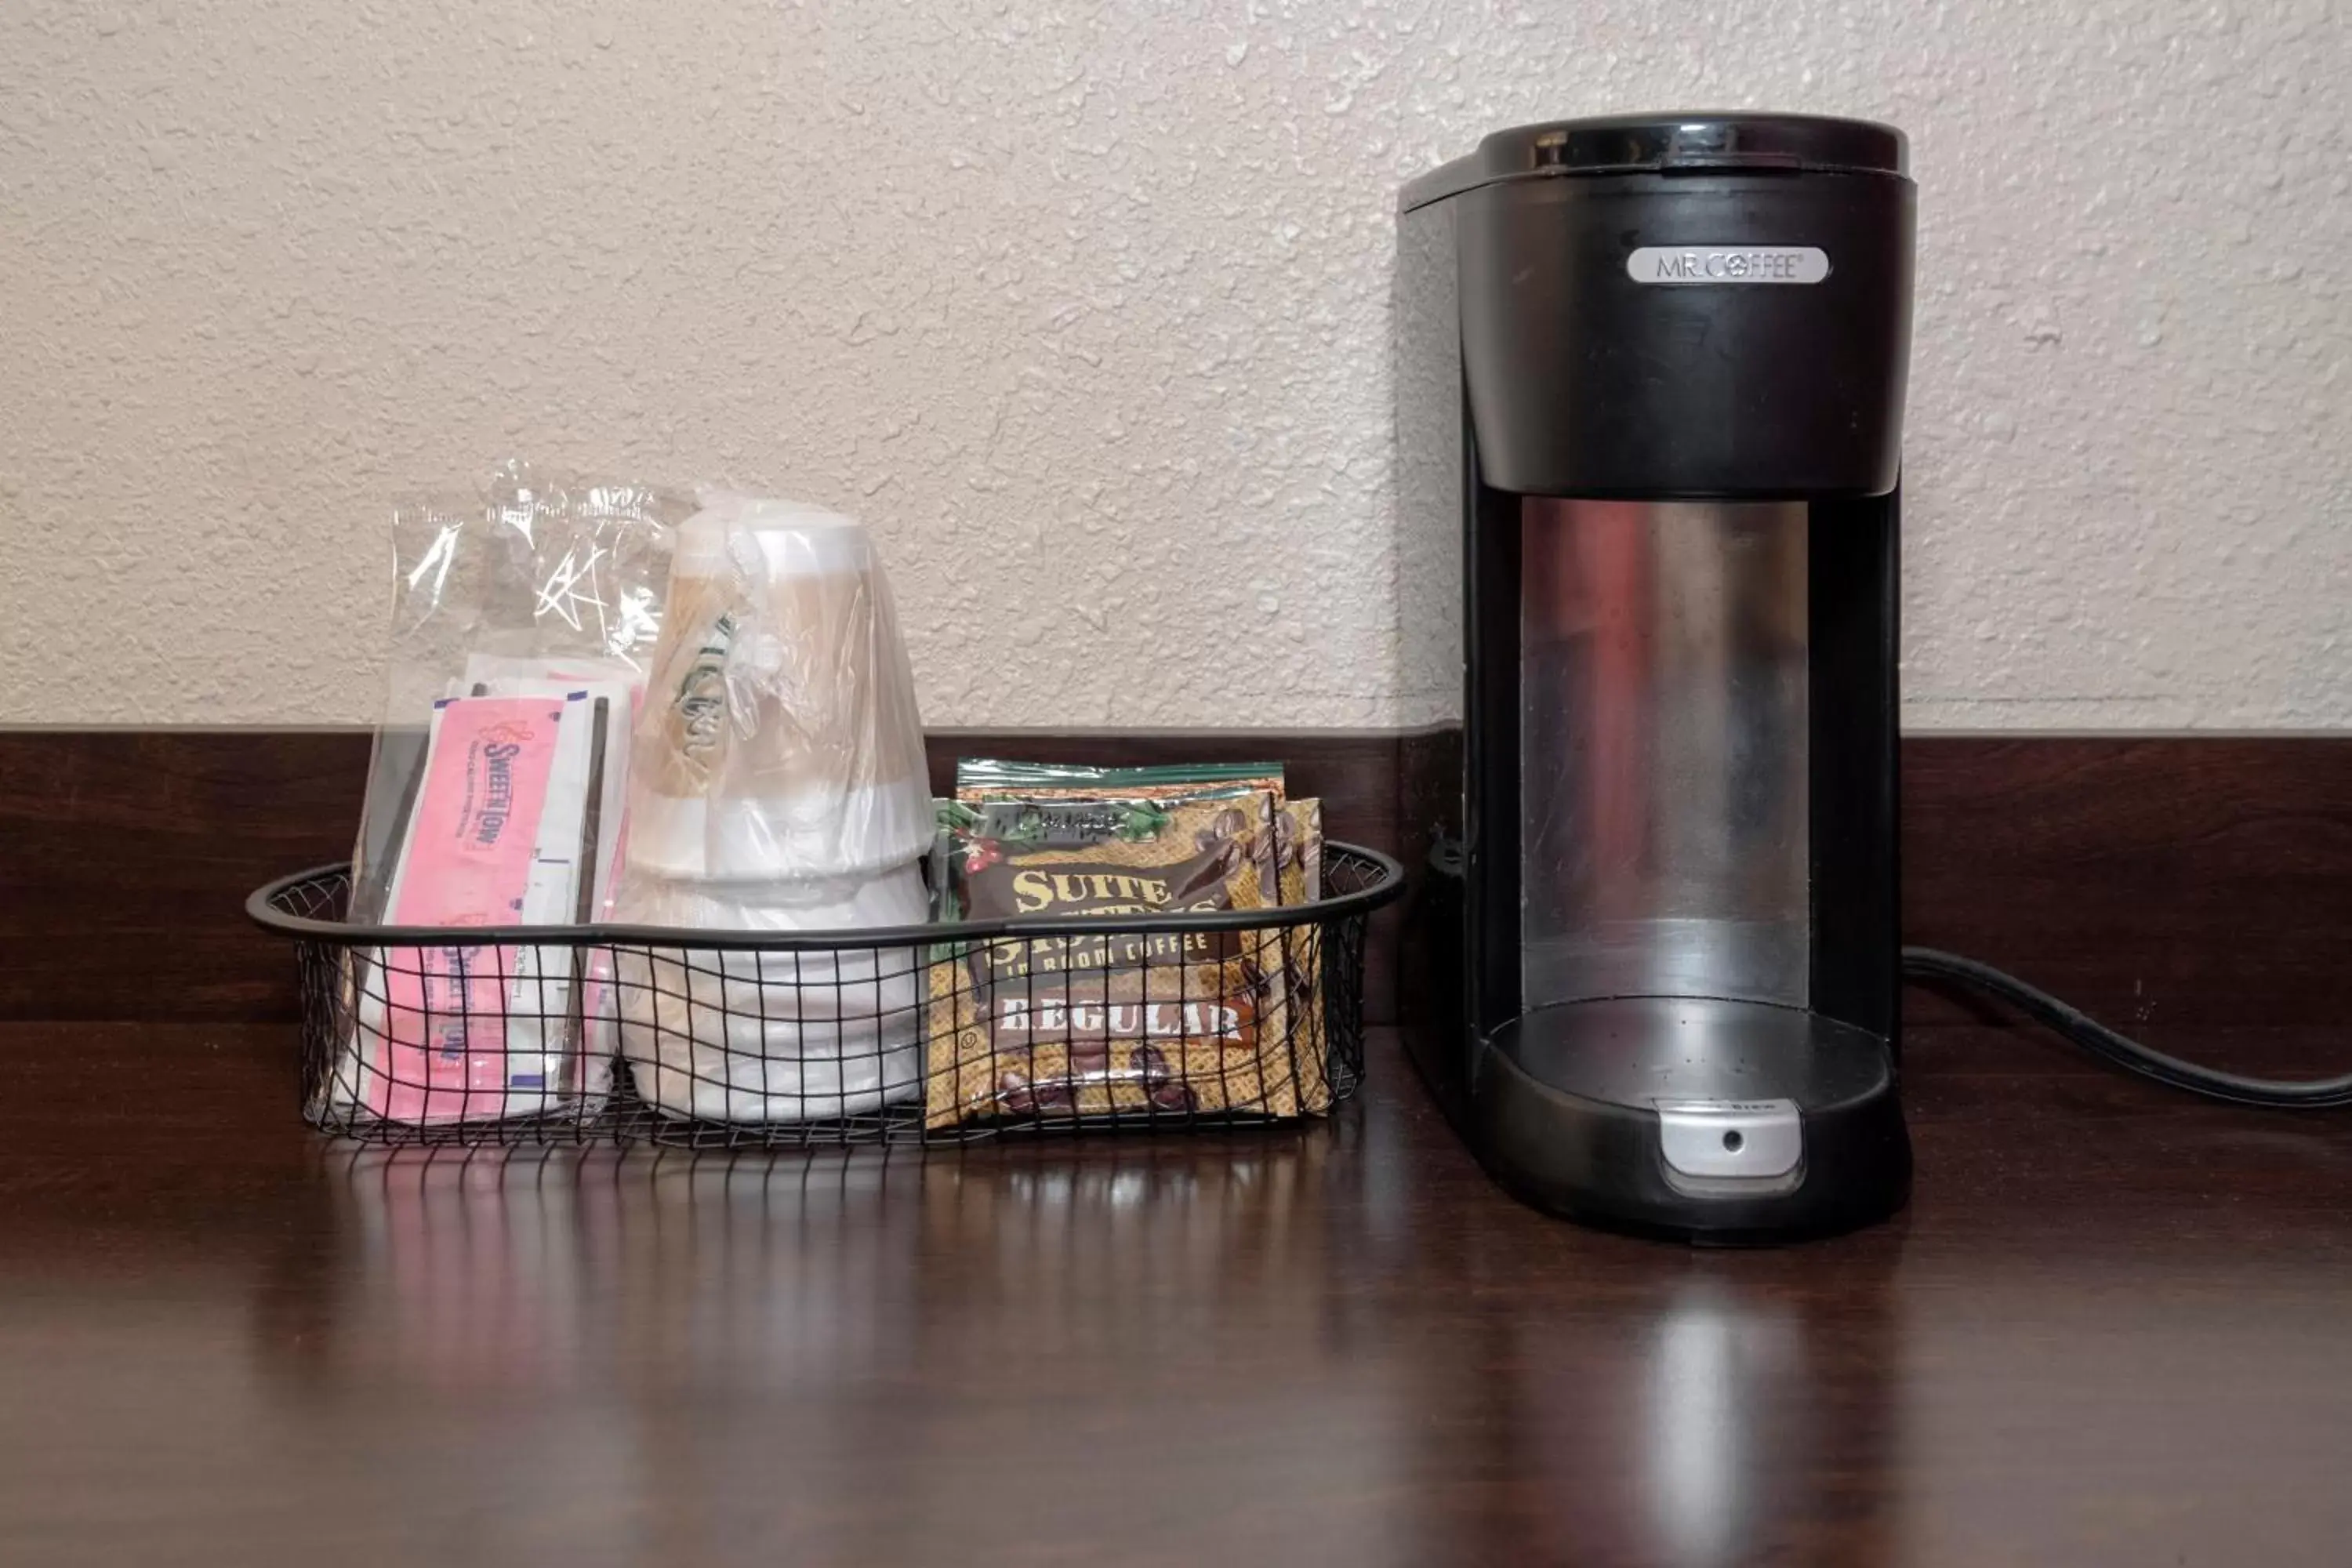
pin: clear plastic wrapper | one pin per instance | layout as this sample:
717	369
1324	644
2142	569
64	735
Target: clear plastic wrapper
778	783
530	581
783	742
521	627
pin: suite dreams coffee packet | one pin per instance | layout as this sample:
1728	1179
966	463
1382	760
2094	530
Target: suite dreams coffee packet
1065	803
1165	1023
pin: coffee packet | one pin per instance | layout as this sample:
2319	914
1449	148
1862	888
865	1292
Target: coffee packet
1045	803
983	779
1177	1023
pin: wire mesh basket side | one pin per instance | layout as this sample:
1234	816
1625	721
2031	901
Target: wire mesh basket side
577	1037
466	1041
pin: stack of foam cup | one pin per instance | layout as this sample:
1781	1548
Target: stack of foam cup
777	786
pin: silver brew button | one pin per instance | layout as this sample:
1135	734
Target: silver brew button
1720	1139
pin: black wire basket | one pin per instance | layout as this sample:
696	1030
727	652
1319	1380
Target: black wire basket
938	1033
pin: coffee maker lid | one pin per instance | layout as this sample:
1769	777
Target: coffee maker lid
1658	143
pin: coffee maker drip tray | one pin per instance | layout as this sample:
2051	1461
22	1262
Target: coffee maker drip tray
1696	1117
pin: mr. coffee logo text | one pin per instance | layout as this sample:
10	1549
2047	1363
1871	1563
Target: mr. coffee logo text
1727	264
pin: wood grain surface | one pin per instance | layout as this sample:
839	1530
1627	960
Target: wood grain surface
2110	1331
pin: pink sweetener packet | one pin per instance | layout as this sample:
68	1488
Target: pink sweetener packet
621	684
467	862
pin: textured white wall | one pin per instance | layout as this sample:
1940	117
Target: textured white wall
1084	305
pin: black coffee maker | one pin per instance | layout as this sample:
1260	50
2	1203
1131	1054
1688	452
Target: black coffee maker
1650	379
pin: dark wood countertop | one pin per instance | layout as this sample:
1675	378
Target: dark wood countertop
2116	1326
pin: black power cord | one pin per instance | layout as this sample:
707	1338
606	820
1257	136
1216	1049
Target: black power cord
1933	964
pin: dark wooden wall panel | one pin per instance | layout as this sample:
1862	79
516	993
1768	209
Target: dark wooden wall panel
2166	886
125	857
2178	887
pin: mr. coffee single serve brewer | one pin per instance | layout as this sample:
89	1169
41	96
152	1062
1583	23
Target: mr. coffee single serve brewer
1650	379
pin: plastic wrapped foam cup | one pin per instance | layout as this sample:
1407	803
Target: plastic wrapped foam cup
779	737
773	1036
